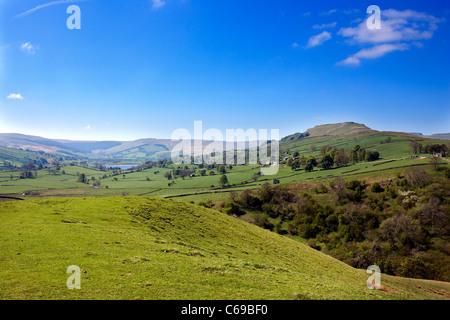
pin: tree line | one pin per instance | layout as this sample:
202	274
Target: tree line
332	157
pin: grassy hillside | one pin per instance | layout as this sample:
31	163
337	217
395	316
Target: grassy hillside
136	183
18	157
144	248
399	145
338	129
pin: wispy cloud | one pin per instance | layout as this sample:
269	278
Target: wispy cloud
318	39
327	13
325	25
340	11
396	26
88	127
48	4
399	31
27	47
372	53
156	4
350	11
15	96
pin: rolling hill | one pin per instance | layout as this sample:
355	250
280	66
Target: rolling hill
344	134
390	144
148	248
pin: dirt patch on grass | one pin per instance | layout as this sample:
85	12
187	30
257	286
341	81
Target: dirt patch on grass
388	290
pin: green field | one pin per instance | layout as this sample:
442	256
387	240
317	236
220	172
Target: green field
199	187
131	243
148	248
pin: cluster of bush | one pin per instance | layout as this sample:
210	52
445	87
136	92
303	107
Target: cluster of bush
332	157
401	224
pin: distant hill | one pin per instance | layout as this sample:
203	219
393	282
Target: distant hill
390	144
138	149
343	134
442	136
338	129
335	129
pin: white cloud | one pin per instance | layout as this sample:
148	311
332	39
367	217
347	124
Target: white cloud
15	96
396	26
156	4
295	45
27	47
318	39
372	53
399	31
325	25
88	127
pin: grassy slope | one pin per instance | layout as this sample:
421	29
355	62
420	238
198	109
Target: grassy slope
137	247
137	184
398	147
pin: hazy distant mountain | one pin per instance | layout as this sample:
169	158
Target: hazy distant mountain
443	136
142	148
147	149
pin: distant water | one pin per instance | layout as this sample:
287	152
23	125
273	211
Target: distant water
123	167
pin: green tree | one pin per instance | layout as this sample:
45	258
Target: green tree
302	160
327	161
221	169
81	178
223	181
295	164
310	164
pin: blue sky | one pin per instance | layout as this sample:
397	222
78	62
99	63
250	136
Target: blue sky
143	68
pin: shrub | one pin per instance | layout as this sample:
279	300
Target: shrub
447	173
376	188
312	243
416	268
418	177
232	208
